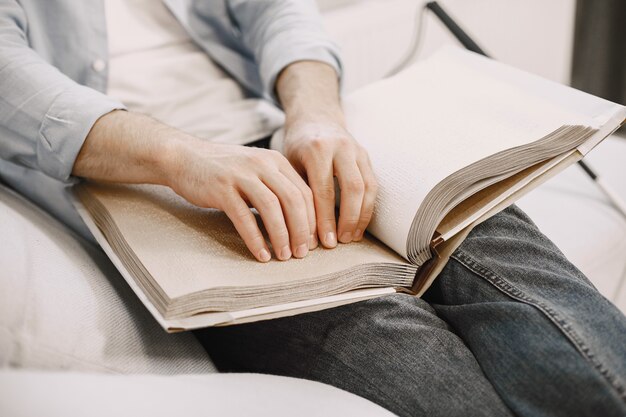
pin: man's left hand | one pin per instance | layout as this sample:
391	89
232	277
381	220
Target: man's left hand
321	149
319	146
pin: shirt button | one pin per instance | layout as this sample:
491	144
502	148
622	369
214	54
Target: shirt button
98	65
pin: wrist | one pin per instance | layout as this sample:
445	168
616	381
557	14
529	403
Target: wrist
160	151
310	114
309	93
172	157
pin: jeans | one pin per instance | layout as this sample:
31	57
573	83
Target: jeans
510	327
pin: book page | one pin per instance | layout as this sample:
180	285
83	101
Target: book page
187	249
435	118
596	111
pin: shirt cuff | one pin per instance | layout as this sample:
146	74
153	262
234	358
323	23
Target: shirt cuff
66	126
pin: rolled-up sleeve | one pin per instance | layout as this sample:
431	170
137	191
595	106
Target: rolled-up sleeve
44	115
280	32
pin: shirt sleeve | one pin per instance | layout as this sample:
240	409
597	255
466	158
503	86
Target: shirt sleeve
280	32
44	115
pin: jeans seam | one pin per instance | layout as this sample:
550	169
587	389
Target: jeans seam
515	293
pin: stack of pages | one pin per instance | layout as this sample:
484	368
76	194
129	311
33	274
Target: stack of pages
453	140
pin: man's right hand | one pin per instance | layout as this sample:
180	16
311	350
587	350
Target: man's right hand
130	148
232	178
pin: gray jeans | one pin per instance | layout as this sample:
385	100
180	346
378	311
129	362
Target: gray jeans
509	328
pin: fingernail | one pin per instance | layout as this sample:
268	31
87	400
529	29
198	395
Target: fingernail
285	253
313	241
358	234
330	239
302	250
346	237
264	255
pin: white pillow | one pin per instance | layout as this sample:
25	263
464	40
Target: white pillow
26	394
63	305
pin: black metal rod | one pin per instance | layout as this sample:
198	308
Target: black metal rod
456	30
588	169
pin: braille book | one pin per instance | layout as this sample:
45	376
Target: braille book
453	139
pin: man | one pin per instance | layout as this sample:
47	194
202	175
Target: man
47	116
509	328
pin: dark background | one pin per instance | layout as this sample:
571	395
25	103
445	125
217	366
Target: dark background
599	60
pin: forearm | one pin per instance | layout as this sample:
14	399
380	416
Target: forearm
309	91
129	148
132	148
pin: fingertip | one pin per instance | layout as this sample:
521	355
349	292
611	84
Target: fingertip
301	251
264	255
284	253
313	242
330	240
346	237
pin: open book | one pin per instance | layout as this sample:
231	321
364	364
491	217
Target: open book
453	140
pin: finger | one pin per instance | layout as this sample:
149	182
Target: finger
268	206
307	195
294	211
244	221
352	191
371	189
321	180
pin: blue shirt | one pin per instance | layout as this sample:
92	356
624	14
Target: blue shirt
53	72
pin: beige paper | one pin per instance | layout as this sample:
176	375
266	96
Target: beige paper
435	118
188	249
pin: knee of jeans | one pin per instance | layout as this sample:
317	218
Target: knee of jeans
510	220
381	314
511	240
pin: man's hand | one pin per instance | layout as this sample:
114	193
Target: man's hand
320	148
323	150
131	148
230	178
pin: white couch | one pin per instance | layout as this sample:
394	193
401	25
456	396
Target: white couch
55	364
71	332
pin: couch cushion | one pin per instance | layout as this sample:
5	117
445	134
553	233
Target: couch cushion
67	394
64	306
